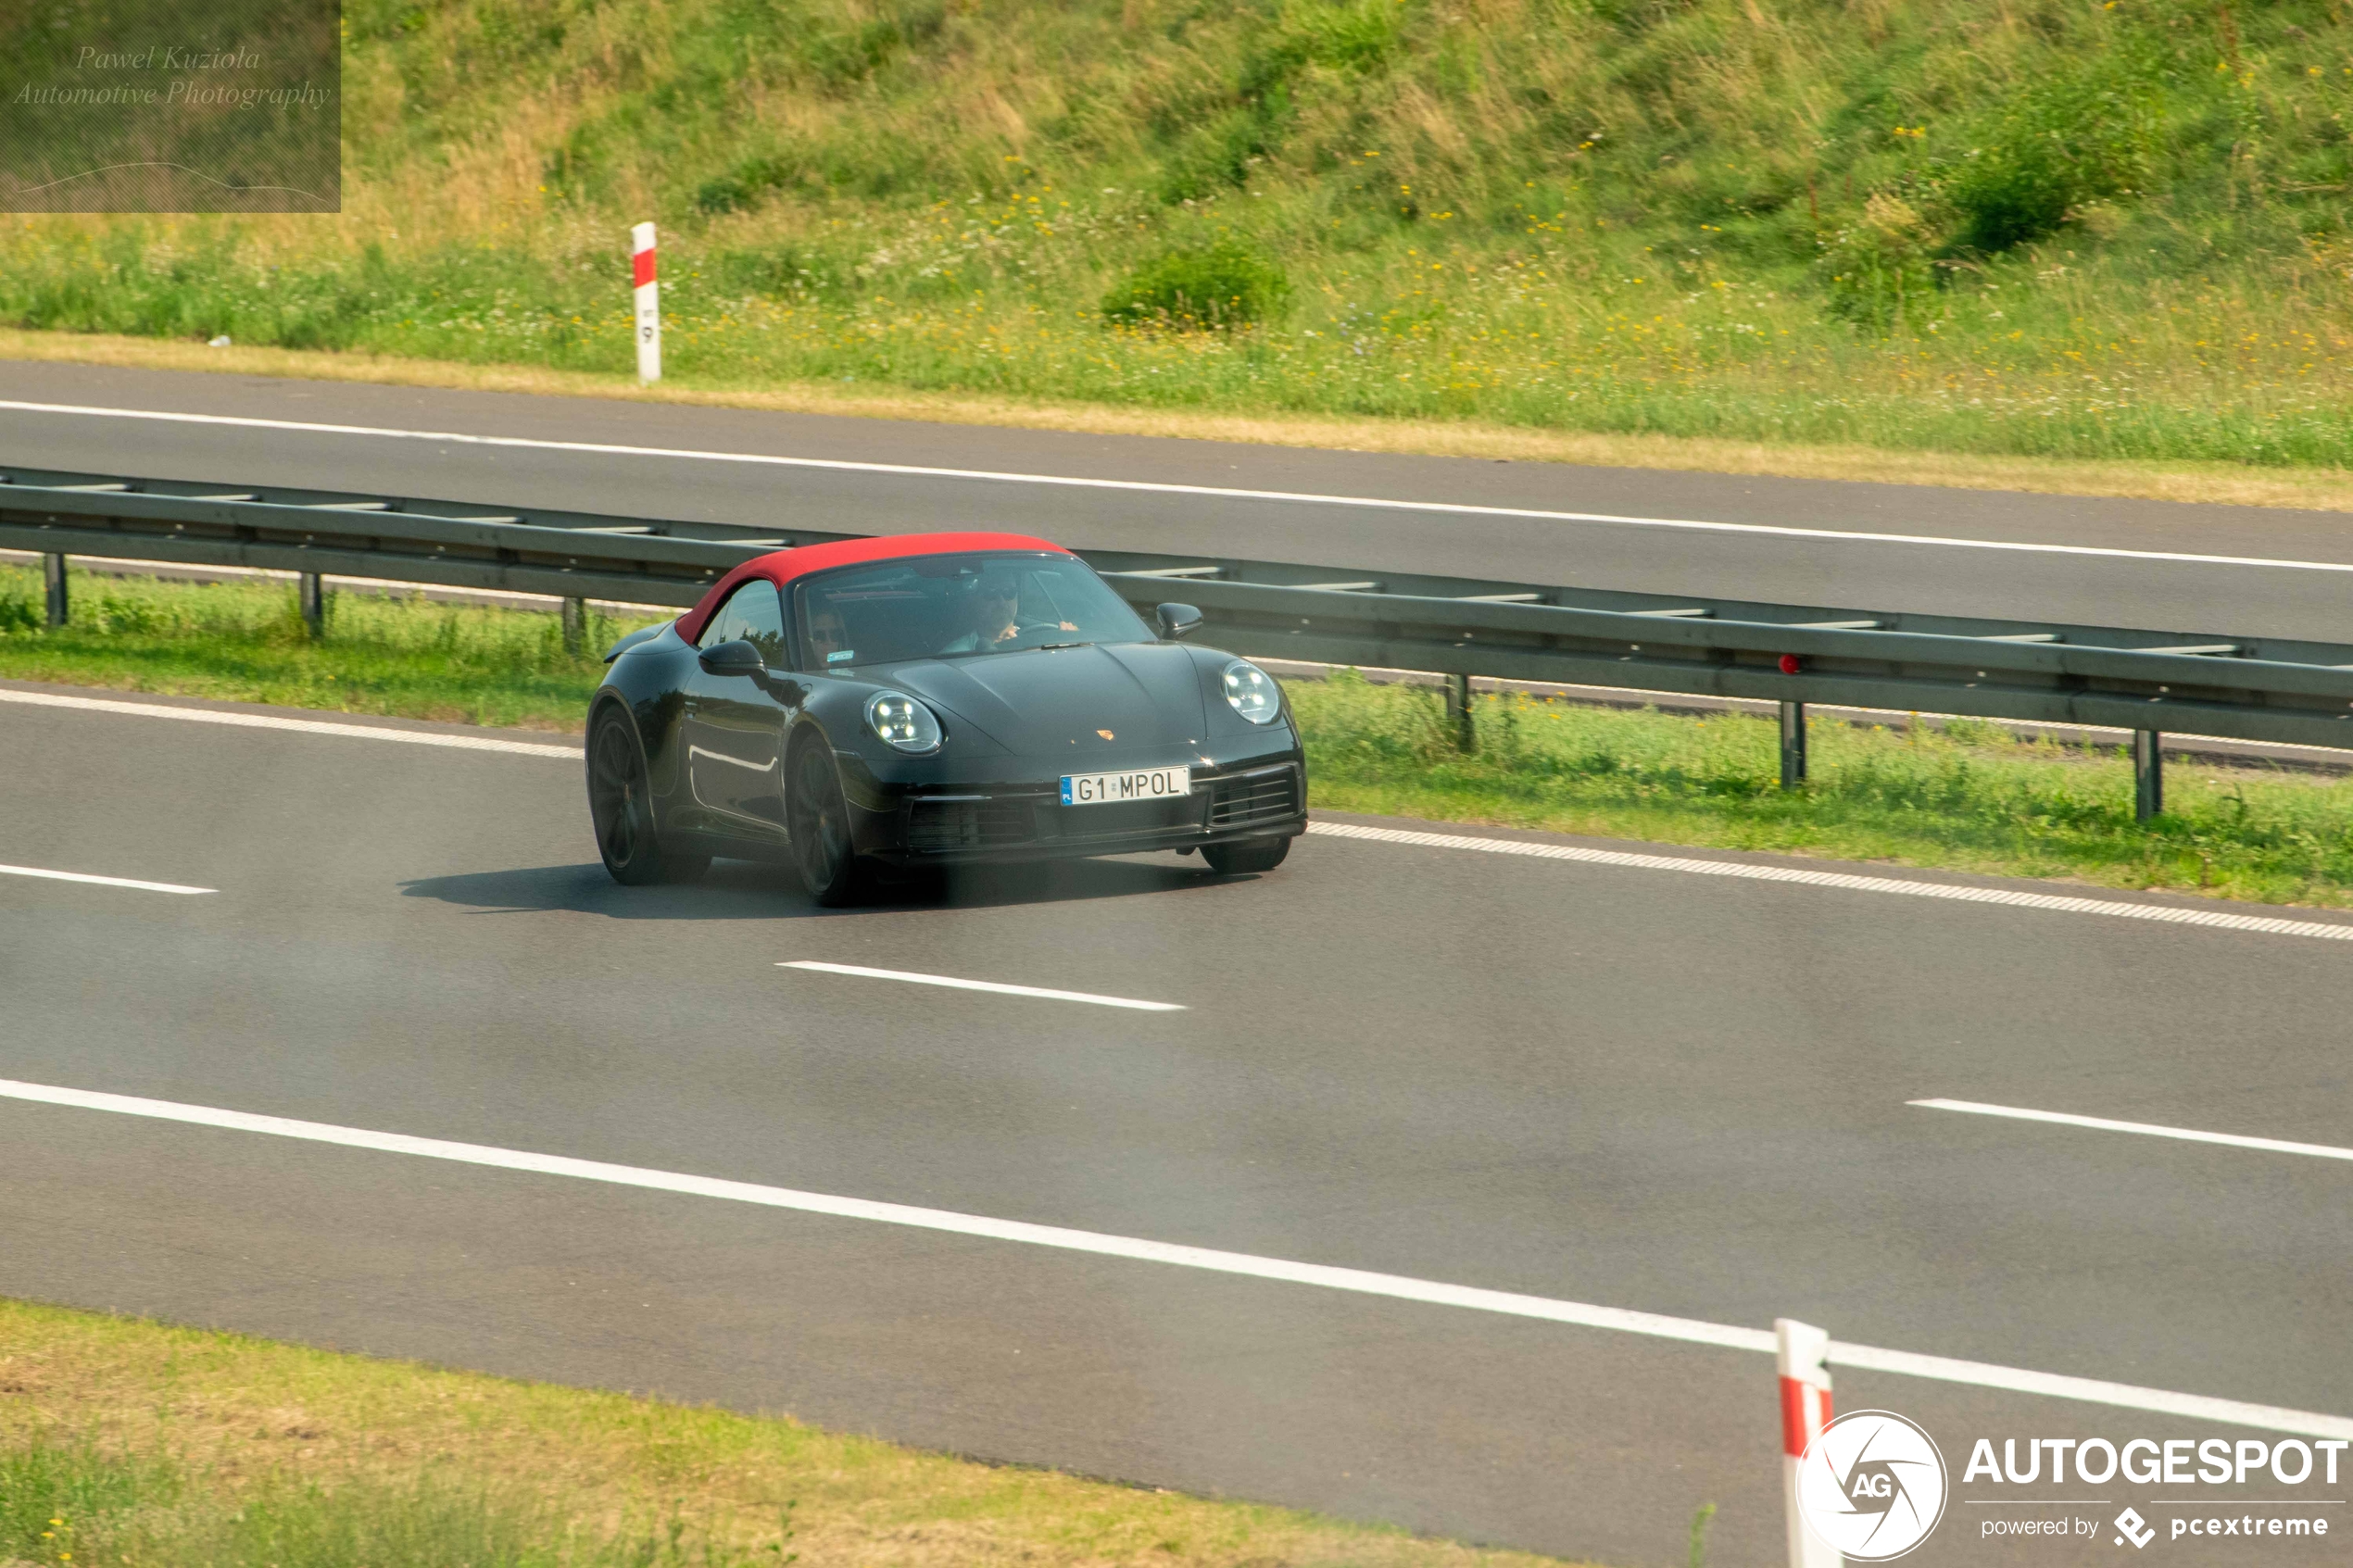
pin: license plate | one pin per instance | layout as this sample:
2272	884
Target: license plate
1148	783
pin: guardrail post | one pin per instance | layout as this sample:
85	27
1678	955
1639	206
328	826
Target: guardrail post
1805	1410
1458	713
312	590
575	620
1792	744
2149	774
53	575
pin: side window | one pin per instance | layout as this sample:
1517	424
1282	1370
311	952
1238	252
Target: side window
753	614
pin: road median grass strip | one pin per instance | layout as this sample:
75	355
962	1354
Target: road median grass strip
127	1442
1968	796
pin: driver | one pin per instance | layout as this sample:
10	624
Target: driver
827	637
992	618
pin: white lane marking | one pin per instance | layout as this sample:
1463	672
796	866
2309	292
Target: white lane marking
2199	1407
1221	492
2167	913
101	880
2148	1129
2267	925
306	726
1000	989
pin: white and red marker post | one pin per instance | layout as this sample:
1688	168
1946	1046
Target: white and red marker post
641	257
1805	1410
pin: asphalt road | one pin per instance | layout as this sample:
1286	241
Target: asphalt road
1679	1094
2173	595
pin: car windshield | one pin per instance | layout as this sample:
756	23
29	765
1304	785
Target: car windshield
956	606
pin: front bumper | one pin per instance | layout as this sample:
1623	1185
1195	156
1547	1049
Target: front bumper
944	824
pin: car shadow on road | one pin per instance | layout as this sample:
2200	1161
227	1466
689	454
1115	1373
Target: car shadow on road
750	890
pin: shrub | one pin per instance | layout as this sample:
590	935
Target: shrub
1213	286
2051	151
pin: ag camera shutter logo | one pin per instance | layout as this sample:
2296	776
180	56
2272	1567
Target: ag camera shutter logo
1871	1485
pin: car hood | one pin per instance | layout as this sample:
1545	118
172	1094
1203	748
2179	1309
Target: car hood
1045	702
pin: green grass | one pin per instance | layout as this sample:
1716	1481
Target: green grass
1970	798
246	642
2051	228
65	1505
131	1444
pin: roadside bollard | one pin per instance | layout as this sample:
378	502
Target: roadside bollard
53	575
1805	1410
575	623
648	302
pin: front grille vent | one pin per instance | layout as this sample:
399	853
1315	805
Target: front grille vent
967	824
1254	797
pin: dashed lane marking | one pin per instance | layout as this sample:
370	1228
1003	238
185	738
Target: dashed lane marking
1001	988
101	880
2147	1129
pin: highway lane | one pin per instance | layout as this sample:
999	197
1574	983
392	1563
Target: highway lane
1669	1093
1848	573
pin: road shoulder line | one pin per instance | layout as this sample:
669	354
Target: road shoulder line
2270	925
1214	491
1362	1281
303	726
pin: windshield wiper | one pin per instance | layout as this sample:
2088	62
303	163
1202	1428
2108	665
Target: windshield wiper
1047	647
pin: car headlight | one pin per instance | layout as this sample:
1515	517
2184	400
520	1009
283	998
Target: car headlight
1253	692
902	720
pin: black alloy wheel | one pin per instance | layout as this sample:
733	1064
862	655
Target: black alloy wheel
1250	855
621	808
817	822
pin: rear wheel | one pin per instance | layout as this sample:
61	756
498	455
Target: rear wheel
621	808
817	821
1250	855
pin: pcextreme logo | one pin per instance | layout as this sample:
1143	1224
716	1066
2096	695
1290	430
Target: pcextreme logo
1871	1485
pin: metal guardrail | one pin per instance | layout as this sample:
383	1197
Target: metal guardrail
2240	687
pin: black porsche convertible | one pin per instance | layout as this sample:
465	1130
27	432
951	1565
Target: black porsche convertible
928	700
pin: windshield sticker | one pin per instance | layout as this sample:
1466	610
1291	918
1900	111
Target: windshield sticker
841	655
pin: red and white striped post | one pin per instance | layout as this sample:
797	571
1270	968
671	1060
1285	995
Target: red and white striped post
1805	1410
641	256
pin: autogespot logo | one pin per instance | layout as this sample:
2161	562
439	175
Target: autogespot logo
1872	1486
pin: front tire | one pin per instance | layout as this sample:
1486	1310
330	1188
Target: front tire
817	822
1250	855
620	808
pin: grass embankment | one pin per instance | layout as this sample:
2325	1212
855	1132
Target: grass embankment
246	642
2048	228
124	1444
1970	797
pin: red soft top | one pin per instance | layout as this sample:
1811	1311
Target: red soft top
781	567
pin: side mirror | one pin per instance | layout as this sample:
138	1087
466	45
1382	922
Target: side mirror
1174	620
733	658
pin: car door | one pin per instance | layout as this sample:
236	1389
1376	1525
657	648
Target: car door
735	724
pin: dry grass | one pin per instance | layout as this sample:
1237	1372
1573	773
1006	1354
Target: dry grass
244	1412
2214	484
